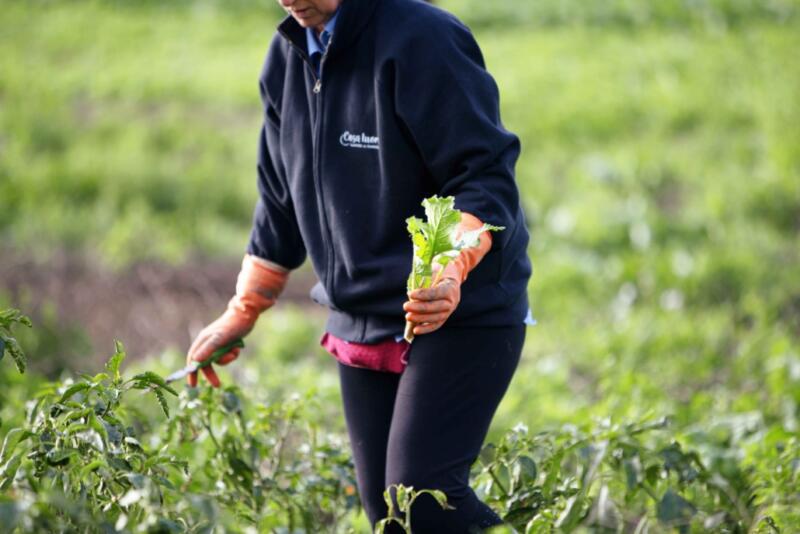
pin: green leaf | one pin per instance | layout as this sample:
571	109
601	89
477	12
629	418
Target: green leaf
9	470
403	497
675	510
98	427
387	497
130	440
8	318
573	513
92	467
604	513
115	361
73	389
150	379
59	457
12	439
434	240
633	472
12	347
442	221
524	471
241	470
9	514
488	454
162	401
231	402
440	497
472	237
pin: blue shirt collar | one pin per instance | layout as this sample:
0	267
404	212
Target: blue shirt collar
313	42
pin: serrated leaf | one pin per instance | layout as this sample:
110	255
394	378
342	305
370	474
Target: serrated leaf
162	401
13	348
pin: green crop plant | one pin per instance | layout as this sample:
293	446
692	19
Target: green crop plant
406	495
90	458
437	243
9	318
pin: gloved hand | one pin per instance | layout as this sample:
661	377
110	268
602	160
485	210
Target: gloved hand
429	308
257	287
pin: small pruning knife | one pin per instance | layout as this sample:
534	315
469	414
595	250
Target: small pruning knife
215	356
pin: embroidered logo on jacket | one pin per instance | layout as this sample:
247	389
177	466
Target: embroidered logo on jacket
361	140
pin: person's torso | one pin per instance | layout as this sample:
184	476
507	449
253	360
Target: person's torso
355	174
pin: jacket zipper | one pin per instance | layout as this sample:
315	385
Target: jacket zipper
317	89
318	144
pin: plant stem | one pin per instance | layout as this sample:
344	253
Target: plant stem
408	513
207	424
408	334
279	453
497	481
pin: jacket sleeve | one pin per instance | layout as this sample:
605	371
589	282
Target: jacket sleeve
275	235
449	104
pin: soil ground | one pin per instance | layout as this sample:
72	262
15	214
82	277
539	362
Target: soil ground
149	305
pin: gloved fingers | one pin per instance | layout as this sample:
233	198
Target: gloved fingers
210	344
427	328
432	306
441	290
420	318
202	337
198	341
211	375
229	357
208	371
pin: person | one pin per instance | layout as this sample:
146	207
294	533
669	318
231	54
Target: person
371	106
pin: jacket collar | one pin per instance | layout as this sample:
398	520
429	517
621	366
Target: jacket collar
352	16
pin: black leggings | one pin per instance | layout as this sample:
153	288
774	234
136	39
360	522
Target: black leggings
426	426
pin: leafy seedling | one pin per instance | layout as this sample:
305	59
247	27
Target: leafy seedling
437	242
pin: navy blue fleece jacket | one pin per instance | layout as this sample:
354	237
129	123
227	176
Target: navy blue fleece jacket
403	108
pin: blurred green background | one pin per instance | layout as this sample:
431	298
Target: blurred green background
660	173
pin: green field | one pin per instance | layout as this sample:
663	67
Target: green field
660	173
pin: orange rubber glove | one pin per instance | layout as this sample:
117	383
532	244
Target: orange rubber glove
429	308
257	287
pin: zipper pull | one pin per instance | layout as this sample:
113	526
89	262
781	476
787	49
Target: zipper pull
318	85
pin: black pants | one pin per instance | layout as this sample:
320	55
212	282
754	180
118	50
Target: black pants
426	426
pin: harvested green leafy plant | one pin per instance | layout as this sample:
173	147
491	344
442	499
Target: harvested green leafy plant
436	243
